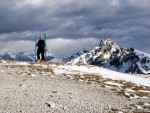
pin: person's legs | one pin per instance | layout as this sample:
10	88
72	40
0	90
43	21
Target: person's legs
42	55
38	55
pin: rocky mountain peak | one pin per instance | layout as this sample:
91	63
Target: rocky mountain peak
108	45
107	41
109	55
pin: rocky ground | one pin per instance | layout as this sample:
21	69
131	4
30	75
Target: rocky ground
38	88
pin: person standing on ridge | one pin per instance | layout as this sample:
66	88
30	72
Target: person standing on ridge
41	48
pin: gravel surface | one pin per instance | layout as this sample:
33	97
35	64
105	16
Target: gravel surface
23	92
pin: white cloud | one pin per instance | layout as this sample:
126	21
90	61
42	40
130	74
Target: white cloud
17	46
66	47
23	3
60	47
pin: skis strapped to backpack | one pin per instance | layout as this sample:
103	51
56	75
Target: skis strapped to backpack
45	49
35	47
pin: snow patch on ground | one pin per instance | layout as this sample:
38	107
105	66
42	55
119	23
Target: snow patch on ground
116	84
44	66
147	104
139	107
144	91
105	73
129	90
33	75
23	63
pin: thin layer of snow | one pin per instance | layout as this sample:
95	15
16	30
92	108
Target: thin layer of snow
98	54
139	107
128	94
14	63
129	90
107	86
140	53
3	61
144	91
23	74
76	60
135	96
44	66
105	73
23	63
56	60
145	97
62	71
143	70
120	112
114	48
112	83
147	104
12	55
83	57
106	56
33	75
37	64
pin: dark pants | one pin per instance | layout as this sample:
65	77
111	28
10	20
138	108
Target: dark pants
40	51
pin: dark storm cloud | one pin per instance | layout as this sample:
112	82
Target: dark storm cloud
61	19
70	19
14	18
125	21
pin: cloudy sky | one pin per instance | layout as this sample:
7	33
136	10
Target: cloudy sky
72	25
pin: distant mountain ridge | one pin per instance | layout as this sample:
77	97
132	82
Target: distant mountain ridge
76	55
109	55
24	56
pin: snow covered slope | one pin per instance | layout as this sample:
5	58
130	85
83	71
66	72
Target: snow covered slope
109	55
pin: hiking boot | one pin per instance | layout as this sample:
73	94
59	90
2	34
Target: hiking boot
39	61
